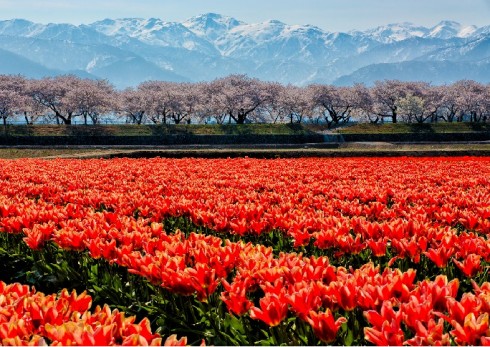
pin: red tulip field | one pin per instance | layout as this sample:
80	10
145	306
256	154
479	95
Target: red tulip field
307	251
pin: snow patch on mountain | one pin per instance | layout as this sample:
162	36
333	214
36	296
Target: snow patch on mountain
393	32
211	25
449	29
154	31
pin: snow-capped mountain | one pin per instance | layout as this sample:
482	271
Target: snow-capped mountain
211	26
155	32
449	29
56	32
402	31
131	50
394	32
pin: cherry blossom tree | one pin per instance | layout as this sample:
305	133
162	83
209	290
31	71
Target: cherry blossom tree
92	98
364	104
135	104
412	107
334	103
160	96
214	103
57	95
433	96
186	100
471	100
450	103
419	103
12	96
206	111
240	99
269	110
294	103
486	104
30	109
234	96
386	96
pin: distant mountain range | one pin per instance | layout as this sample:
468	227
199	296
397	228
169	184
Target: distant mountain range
131	50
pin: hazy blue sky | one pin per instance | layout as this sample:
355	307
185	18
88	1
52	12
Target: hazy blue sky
331	15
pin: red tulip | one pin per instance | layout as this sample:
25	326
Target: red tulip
305	300
470	266
235	297
389	334
204	280
347	295
324	325
172	341
35	238
458	310
77	303
415	311
440	255
429	334
273	310
377	247
472	330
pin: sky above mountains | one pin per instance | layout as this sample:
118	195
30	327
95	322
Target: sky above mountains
331	15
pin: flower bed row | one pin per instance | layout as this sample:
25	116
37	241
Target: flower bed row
314	294
32	318
400	208
366	210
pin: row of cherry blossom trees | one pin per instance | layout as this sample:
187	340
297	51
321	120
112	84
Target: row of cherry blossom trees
238	99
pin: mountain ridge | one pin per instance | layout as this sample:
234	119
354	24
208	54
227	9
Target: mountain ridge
212	45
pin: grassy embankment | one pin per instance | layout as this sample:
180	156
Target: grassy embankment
159	130
249	129
244	129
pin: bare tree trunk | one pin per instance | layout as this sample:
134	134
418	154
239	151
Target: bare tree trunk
241	118
5	130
